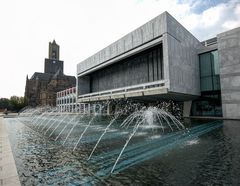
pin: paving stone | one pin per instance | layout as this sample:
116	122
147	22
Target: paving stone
11	181
8	171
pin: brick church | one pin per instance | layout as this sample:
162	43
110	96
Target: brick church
41	88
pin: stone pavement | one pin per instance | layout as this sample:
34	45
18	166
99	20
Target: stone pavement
8	171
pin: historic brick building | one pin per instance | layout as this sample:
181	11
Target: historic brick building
41	88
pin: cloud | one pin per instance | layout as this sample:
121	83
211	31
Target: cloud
213	20
203	18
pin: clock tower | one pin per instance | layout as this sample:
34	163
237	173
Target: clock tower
52	63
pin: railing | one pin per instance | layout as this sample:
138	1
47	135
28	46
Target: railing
209	42
126	89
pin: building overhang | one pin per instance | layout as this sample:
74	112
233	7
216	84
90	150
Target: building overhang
152	88
146	92
127	54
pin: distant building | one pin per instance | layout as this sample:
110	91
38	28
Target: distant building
41	88
66	100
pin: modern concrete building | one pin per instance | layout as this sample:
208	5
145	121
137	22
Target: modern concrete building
162	60
229	59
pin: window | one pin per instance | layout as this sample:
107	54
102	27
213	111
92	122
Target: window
209	104
209	71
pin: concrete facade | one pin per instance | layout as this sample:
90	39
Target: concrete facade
229	56
182	59
178	48
121	71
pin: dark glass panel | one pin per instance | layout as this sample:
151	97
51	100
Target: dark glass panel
205	65
216	82
215	62
206	84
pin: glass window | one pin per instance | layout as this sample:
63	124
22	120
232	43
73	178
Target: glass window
216	83
209	71
206	84
214	56
209	104
205	65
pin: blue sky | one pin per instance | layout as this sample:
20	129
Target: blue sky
83	27
198	6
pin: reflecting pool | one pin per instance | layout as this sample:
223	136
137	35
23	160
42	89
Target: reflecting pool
206	152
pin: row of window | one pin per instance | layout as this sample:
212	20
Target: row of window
65	101
141	68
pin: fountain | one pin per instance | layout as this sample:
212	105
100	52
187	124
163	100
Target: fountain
109	145
143	118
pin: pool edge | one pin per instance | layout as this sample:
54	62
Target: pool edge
8	171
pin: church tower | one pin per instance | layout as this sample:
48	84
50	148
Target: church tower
53	52
41	88
52	63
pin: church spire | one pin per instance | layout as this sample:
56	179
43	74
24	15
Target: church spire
52	63
53	50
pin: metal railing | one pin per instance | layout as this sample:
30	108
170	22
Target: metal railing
143	86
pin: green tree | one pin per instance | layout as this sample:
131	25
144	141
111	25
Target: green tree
15	103
4	103
18	103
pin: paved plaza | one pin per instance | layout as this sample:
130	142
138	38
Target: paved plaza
8	171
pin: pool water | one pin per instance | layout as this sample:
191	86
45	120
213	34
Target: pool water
208	153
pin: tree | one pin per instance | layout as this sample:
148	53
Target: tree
5	103
18	102
15	103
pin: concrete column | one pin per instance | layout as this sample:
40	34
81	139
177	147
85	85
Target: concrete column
61	104
108	109
100	108
89	108
81	108
187	108
94	108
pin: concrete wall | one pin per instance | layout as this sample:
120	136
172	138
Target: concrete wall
182	50
149	31
180	57
229	58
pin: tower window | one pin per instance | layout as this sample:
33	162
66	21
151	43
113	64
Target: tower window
54	55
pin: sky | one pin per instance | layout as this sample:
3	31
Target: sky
83	27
